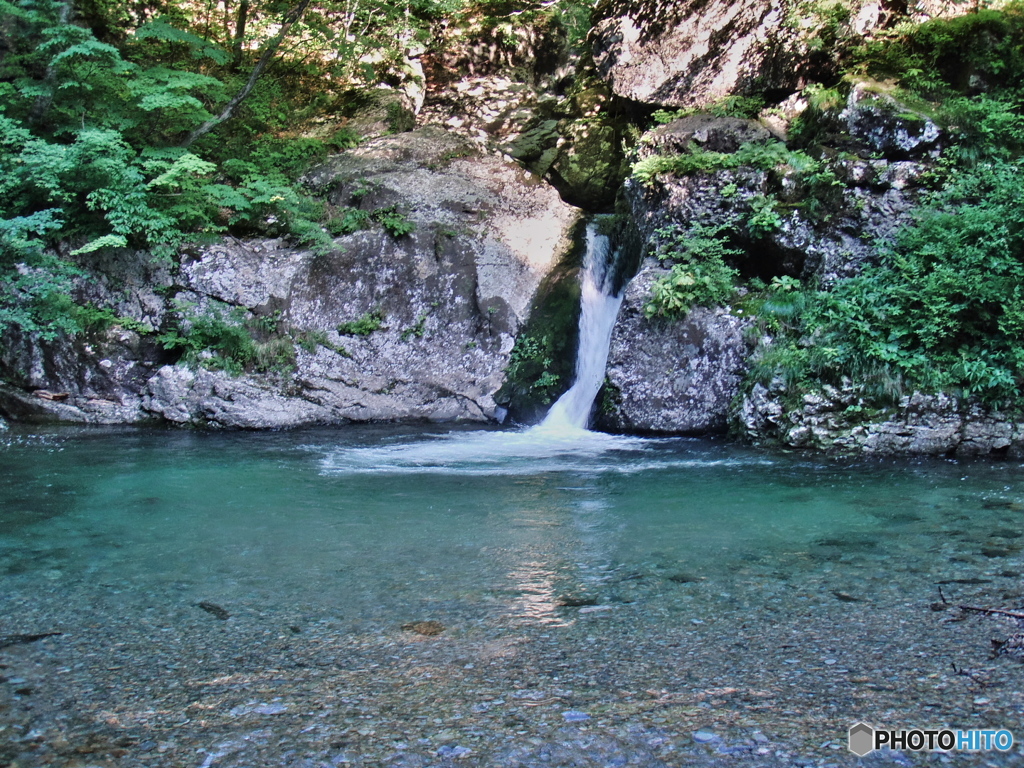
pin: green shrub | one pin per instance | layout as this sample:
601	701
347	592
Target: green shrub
699	275
940	57
222	337
943	310
764	216
765	156
350	220
364	326
393	221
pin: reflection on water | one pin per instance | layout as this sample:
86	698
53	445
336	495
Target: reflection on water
538	601
535	526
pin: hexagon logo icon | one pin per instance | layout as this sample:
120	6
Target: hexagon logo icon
862	739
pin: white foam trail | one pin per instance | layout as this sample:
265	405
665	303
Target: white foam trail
532	451
598	311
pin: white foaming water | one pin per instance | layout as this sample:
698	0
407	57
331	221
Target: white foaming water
525	452
598	310
522	452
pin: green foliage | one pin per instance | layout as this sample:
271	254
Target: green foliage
98	100
824	25
89	148
809	125
747	107
531	363
767	156
764	216
365	325
393	221
91	318
349	221
699	275
35	292
220	337
697	160
943	310
311	340
939	58
985	127
575	18
418	328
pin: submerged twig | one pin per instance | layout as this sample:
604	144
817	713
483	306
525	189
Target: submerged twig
9	640
993	612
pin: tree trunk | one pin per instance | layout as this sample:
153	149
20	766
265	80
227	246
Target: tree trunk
268	53
239	39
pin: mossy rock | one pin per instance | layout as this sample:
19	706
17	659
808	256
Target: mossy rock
543	359
589	169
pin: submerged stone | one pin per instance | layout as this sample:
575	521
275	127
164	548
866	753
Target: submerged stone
428	628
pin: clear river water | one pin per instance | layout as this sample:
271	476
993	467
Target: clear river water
426	596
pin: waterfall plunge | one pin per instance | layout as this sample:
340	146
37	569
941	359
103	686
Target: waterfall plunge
598	310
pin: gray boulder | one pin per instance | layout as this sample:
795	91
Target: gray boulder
673	376
440	305
885	124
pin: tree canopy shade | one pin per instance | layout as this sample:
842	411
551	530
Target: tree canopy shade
106	110
151	124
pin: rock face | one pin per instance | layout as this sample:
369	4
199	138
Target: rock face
682	376
693	53
445	300
689	53
573	139
672	376
836	419
865	200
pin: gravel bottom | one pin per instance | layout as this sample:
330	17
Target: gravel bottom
768	667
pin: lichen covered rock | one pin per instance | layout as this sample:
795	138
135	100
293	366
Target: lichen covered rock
675	376
840	419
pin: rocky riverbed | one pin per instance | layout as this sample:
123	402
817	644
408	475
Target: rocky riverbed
538	619
770	673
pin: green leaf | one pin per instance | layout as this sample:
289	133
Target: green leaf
105	241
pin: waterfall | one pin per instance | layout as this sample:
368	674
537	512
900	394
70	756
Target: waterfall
599	306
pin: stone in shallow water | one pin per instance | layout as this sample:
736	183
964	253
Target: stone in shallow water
706	737
455	751
994	551
846	597
572	716
214	610
429	628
